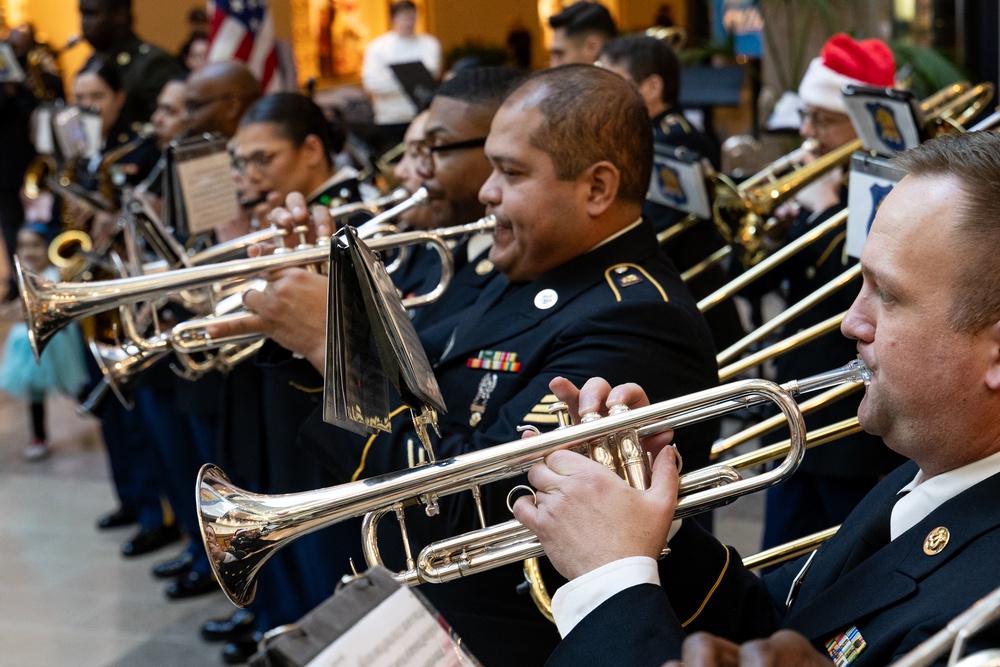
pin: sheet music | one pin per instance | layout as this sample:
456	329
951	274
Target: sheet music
403	355
356	392
370	342
208	190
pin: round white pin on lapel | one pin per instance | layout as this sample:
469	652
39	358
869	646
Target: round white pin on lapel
546	299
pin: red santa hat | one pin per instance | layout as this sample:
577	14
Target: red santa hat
842	60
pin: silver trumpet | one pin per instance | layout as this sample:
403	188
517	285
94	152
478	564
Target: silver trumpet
192	336
49	306
238	246
241	530
954	638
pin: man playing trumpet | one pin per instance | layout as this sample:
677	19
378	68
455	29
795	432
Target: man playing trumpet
918	549
584	289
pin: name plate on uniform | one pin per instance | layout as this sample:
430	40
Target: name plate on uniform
872	178
887	120
678	181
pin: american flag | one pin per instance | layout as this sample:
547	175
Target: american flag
244	30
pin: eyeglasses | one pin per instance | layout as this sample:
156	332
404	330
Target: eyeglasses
259	160
423	151
195	105
822	120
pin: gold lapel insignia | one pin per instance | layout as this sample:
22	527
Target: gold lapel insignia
483	267
936	541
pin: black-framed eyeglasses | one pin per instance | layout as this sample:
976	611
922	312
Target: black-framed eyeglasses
258	159
195	105
424	151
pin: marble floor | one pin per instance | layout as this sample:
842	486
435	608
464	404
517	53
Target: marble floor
67	596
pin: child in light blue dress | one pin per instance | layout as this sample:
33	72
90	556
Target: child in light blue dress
62	365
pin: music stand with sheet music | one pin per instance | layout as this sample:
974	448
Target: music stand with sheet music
417	82
370	343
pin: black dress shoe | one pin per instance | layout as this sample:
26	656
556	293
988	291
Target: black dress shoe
120	517
175	567
227	629
239	650
190	585
150	539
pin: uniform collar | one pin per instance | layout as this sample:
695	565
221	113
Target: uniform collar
923	496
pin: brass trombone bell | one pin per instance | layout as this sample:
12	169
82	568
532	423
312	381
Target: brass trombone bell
241	530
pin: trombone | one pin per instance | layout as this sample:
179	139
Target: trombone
954	638
241	530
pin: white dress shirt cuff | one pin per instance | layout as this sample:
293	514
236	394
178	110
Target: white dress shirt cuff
586	593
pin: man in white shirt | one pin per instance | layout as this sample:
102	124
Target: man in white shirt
392	106
927	323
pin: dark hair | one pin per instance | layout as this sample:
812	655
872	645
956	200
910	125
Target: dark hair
296	117
583	18
589	115
481	86
107	72
643	56
185	50
401	6
973	160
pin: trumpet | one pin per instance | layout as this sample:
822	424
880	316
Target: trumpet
224	251
49	306
241	530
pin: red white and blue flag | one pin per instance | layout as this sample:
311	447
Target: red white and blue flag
244	30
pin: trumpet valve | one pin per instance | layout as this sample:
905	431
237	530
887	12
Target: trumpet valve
600	449
561	411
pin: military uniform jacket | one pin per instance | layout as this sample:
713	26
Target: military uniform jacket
619	311
896	596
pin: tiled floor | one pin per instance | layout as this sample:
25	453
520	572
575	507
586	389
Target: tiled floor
67	596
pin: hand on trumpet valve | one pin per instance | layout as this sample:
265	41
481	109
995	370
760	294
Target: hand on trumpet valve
303	226
586	515
598	397
290	310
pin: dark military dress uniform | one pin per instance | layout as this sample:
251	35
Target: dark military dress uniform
889	595
619	312
279	392
671	129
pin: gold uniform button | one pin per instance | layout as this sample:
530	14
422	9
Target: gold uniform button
483	267
936	541
124	58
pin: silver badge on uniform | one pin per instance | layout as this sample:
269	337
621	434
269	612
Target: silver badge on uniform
478	407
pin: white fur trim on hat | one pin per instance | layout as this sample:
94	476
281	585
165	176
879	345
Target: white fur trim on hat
821	87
